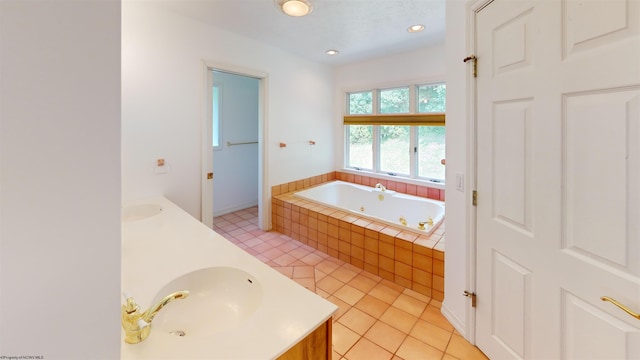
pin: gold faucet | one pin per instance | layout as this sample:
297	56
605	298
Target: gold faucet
381	187
403	221
138	325
422	223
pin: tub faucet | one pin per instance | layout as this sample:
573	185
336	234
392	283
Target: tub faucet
381	187
138	325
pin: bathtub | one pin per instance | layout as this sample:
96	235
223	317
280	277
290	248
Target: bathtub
389	207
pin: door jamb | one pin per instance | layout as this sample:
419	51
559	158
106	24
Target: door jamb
264	192
473	7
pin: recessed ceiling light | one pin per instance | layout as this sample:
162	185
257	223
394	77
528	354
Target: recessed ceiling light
415	28
331	52
296	7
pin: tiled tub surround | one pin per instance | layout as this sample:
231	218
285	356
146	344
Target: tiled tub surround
407	258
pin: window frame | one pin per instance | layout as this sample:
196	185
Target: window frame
413	119
219	87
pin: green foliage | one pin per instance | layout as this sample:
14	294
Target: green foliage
394	101
361	103
432	98
360	134
393	132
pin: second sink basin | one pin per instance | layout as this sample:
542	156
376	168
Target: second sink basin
140	212
220	299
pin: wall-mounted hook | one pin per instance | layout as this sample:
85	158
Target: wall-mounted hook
283	145
311	142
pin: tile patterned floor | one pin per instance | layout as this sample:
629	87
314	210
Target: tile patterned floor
377	319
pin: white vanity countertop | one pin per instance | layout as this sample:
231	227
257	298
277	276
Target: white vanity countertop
160	248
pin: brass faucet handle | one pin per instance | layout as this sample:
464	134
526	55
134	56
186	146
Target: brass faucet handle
130	306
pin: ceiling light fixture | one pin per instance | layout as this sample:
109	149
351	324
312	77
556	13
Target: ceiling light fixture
415	28
296	7
331	52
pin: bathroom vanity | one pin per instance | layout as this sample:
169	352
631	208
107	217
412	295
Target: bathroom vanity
237	307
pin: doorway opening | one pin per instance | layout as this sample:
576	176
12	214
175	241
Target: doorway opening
233	139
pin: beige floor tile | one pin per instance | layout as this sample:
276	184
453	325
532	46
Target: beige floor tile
349	294
409	304
343	338
462	349
262	247
433	315
372	306
386	336
431	335
308	283
284	260
371	276
392	285
272	253
322	293
417	295
344	274
253	242
449	357
289	246
385	293
399	319
363	283
343	307
318	274
299	252
357	320
329	284
413	349
351	268
367	350
312	259
285	270
303	272
327	266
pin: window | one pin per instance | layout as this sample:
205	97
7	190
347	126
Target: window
394	101
216	116
360	146
395	149
397	131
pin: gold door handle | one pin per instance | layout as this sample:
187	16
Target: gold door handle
621	306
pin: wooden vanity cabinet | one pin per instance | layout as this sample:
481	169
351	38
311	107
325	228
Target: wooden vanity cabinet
316	346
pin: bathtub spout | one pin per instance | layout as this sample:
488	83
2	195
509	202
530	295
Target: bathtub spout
381	187
421	224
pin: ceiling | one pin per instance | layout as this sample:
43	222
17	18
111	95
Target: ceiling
358	29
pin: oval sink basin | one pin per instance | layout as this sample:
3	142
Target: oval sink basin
220	299
140	211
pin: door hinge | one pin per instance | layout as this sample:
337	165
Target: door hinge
475	64
209	176
474	198
472	295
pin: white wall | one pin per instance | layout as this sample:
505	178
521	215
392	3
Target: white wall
235	168
457	258
162	76
60	179
401	69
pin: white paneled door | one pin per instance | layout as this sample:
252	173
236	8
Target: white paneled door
558	179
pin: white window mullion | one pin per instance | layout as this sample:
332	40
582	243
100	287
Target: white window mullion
375	102
413	100
413	149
